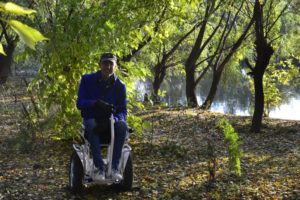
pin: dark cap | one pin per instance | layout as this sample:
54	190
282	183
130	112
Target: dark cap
108	56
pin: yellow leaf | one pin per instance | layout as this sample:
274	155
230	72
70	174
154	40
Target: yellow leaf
16	9
28	34
2	50
56	138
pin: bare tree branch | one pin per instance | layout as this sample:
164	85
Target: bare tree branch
202	74
202	61
276	38
173	64
246	60
4	28
278	17
2	34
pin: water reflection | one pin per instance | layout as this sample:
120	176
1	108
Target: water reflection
231	98
288	110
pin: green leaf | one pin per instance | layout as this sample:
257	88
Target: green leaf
28	34
15	9
2	50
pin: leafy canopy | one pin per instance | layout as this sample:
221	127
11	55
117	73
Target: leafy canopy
28	34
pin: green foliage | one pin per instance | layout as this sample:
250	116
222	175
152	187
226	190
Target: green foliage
27	34
2	50
232	140
277	78
136	123
79	33
15	9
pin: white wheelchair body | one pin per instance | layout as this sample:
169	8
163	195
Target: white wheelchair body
81	170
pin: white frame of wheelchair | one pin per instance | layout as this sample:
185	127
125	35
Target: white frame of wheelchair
84	154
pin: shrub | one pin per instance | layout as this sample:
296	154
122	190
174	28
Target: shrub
232	140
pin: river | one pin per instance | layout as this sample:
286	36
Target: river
229	99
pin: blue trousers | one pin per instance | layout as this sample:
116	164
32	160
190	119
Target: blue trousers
95	141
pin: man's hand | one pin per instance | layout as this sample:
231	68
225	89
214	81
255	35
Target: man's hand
104	106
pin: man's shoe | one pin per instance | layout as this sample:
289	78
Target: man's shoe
116	175
99	175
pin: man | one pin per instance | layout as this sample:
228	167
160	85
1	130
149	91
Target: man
98	93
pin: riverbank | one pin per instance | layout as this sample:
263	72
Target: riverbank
170	160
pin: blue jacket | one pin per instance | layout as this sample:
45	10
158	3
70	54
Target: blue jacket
92	88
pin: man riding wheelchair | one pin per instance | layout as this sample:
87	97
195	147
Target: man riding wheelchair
102	102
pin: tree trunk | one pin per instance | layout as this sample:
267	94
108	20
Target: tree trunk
264	52
190	89
156	86
212	91
263	59
159	75
6	62
190	64
259	104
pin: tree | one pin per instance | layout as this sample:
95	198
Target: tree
264	51
12	30
225	50
80	31
220	36
164	60
199	46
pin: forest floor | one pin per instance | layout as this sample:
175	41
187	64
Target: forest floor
170	159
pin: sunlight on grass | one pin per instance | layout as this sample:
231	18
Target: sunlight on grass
255	158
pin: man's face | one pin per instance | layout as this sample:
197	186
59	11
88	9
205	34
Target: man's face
107	68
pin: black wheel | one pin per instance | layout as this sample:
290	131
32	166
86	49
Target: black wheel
75	174
126	183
